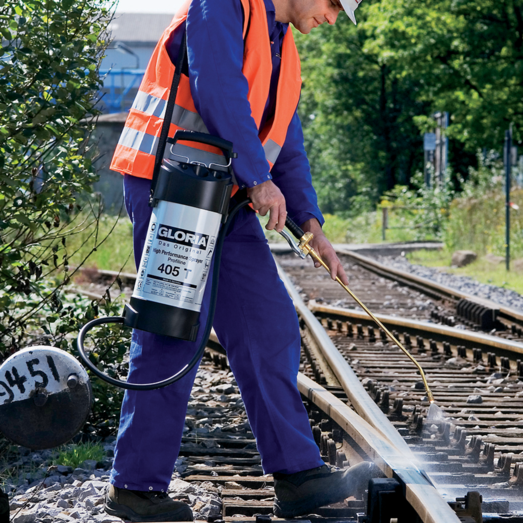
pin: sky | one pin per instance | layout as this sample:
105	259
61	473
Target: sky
147	6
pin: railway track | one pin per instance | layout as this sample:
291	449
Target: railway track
392	291
375	408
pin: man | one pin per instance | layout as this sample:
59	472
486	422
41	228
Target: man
241	82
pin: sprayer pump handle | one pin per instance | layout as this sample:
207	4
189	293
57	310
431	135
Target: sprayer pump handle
207	139
295	229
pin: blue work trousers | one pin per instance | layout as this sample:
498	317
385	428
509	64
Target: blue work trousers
257	325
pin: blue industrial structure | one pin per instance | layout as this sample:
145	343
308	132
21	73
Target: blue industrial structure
120	85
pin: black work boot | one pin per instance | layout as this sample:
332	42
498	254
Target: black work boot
135	505
302	492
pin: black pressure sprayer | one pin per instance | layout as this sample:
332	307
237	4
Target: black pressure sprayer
188	225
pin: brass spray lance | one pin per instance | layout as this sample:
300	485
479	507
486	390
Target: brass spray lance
304	248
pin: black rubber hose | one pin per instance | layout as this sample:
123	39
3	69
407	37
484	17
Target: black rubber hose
208	325
294	228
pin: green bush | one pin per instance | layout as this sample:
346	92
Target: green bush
477	216
49	82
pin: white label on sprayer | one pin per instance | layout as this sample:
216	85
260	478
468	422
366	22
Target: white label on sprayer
177	255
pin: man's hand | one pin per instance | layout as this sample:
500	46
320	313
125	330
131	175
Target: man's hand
324	248
266	197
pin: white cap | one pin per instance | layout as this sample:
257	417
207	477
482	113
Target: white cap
350	6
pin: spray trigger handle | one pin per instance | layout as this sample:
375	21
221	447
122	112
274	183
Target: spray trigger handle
293	246
294	228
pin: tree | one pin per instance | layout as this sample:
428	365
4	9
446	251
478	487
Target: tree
48	87
466	56
357	110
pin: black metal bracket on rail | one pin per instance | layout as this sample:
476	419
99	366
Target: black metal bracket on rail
469	508
386	502
478	312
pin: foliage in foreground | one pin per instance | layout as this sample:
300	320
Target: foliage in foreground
48	86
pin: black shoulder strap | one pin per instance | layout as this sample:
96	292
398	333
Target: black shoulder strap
180	62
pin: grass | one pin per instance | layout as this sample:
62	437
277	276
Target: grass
481	270
115	253
75	454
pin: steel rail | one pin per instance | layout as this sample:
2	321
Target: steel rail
419	492
390	451
358	396
471	338
428	286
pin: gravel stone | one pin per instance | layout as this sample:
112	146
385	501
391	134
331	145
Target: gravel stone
62	503
62	469
26	516
89	464
475	398
226	389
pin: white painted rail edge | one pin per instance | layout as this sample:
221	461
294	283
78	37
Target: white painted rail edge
358	396
435	328
423	497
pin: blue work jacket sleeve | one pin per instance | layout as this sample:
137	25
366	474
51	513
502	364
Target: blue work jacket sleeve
219	87
292	174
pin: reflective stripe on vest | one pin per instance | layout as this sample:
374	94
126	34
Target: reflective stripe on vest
137	146
154	106
272	150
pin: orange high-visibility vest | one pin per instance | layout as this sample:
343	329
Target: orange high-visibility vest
136	149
